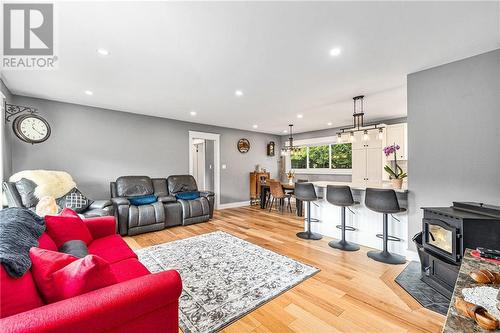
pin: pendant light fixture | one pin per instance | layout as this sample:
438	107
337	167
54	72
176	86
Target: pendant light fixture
358	122
290	147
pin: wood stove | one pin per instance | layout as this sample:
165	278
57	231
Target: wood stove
447	232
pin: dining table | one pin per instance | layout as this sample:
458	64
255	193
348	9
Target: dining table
265	188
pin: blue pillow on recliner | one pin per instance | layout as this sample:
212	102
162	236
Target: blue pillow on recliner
188	195
142	200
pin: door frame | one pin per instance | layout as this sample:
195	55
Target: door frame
216	138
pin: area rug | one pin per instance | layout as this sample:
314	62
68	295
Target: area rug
223	277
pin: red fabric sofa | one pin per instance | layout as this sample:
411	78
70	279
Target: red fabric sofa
139	302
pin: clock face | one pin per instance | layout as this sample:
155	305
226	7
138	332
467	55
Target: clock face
31	128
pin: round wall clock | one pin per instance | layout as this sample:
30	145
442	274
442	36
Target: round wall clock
243	145
31	128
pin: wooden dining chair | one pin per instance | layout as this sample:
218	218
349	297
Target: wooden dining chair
278	195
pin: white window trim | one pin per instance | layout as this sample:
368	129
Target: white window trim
328	140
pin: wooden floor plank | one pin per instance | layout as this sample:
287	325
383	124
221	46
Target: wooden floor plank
351	293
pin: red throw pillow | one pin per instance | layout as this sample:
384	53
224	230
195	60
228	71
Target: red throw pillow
67	226
60	276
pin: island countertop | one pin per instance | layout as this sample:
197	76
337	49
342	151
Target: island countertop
456	323
361	187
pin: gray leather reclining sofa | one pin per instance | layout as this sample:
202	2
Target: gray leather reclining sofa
167	211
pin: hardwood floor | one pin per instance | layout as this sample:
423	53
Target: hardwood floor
352	293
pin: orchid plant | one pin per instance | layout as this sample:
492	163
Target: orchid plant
397	172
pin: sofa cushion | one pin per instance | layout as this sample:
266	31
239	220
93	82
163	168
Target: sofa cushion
75	200
17	295
142	200
60	276
129	186
181	183
26	189
111	248
128	269
67	226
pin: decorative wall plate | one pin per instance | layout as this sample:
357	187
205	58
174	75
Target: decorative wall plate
243	145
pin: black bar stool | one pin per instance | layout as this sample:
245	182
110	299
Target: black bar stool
341	196
305	192
386	202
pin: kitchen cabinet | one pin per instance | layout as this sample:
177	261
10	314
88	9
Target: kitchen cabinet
367	166
398	134
372	142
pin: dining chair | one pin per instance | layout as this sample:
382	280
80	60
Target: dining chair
277	194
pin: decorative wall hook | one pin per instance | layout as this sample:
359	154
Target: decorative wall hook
12	110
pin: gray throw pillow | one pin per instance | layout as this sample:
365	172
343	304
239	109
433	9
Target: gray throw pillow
76	248
26	190
75	200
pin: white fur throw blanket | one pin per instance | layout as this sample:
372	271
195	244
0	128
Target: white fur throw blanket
49	183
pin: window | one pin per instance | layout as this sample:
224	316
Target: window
319	156
341	156
323	158
298	158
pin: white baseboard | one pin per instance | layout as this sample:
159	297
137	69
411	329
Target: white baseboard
234	205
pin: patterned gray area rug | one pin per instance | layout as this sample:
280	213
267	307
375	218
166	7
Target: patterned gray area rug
223	277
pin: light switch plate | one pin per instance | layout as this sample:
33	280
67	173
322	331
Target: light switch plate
224	166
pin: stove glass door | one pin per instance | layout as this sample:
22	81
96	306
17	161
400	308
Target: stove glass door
440	237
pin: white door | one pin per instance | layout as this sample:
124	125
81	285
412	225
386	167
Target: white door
359	166
373	167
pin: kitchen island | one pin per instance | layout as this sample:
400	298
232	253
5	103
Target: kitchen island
367	223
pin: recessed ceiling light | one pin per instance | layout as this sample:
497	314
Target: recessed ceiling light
192	113
88	92
300	116
238	93
255	126
103	52
329	124
285	131
335	51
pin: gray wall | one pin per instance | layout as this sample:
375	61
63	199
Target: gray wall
7	153
331	132
98	145
453	134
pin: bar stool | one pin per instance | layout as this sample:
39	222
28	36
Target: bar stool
386	202
305	192
341	196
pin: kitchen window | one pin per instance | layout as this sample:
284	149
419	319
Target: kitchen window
329	158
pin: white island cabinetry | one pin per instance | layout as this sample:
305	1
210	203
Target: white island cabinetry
367	222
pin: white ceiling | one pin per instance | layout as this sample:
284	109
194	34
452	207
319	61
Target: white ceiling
169	58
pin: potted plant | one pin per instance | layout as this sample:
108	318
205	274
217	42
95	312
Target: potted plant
290	174
397	174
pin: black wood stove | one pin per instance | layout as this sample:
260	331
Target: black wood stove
447	232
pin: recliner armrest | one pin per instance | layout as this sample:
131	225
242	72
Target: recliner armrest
167	199
120	201
206	194
100	204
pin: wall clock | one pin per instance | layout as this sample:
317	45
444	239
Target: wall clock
243	145
31	128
